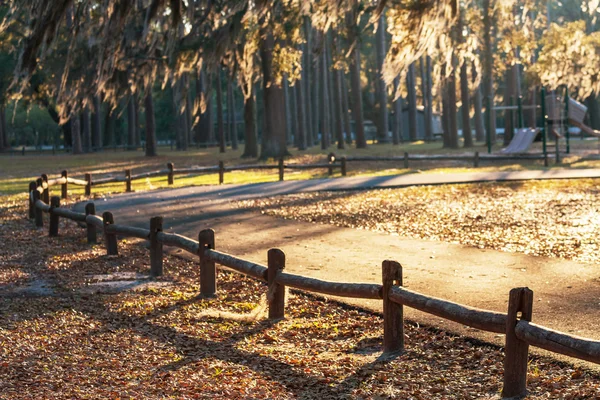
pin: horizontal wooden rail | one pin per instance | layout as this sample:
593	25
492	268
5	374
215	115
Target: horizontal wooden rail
558	342
357	290
42	206
311	166
175	240
94	220
249	268
130	231
481	319
110	179
195	170
72	215
249	167
77	181
151	174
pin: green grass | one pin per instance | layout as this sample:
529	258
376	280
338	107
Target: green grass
17	171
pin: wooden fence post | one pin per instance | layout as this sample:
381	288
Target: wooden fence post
46	192
128	180
276	292
208	270
393	313
330	160
515	351
88	186
405	160
64	186
53	227
32	188
281	167
39	218
476	159
343	160
109	238
171	176
156	247
221	172
90	209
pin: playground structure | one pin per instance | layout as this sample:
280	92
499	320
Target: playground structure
559	112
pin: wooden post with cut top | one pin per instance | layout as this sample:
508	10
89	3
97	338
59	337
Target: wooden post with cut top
46	192
221	172
393	313
39	218
208	270
520	301
276	292
476	159
405	160
53	226
63	187
171	175
90	209
343	161
88	185
156	247
281	167
32	188
128	180
109	237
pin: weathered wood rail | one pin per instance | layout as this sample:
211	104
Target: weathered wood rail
43	184
516	324
476	158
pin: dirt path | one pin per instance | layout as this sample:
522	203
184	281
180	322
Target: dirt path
566	293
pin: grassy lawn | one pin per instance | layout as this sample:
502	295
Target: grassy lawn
17	171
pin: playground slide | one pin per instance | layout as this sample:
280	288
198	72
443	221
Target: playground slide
585	128
521	141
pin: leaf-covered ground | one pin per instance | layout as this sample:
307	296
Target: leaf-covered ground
167	342
559	218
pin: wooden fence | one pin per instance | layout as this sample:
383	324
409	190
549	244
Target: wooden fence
170	172
474	158
515	324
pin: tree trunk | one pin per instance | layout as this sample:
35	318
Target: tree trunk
593	111
307	82
97	125
488	64
412	103
87	130
130	124
428	101
337	102
315	100
274	136
76	134
345	108
220	122
324	101
109	127
478	107
250	136
202	127
380	47
289	117
466	108
357	109
511	93
138	133
397	127
150	125
452	111
3	132
234	135
301	117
